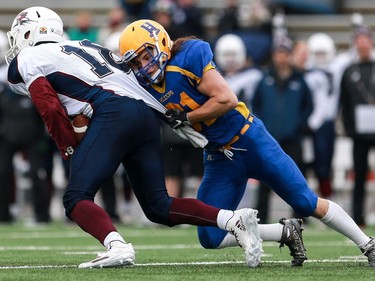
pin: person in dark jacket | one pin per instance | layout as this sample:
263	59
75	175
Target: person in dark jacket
358	114
284	102
22	131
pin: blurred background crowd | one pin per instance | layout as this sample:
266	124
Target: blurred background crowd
306	68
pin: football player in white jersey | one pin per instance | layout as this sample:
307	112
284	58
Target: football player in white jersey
68	78
238	71
322	56
322	131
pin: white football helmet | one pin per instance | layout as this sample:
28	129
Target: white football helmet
230	53
321	49
3	46
32	26
112	42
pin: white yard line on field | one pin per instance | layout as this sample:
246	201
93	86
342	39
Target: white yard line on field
80	234
180	264
154	247
75	249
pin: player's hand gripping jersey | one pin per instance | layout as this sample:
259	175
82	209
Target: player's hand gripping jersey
57	84
184	72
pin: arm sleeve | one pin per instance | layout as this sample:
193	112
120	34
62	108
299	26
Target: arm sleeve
55	118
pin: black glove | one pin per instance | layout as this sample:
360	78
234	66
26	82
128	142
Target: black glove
176	118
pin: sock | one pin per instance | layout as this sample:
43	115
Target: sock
222	219
337	219
92	219
268	232
271	232
113	236
192	211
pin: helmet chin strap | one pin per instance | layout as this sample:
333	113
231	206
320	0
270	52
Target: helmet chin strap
160	71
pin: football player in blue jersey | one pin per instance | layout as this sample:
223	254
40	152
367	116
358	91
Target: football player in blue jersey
69	78
182	76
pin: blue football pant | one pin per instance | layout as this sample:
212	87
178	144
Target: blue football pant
127	131
260	157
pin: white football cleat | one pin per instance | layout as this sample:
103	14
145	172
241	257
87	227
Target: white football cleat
118	254
244	226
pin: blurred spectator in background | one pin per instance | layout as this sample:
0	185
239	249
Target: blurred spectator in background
252	22
238	16
109	196
358	114
7	191
321	130
127	206
322	55
337	67
182	162
164	12
108	192
50	166
258	17
190	17
307	6
21	131
284	102
111	42
230	19
116	22
136	9
237	67
84	27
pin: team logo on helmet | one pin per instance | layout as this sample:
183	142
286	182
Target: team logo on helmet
22	18
150	28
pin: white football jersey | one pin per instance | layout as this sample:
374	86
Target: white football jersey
82	73
244	83
320	87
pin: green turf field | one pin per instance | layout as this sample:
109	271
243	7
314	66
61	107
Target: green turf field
53	253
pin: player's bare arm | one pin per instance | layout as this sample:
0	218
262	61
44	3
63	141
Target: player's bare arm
222	98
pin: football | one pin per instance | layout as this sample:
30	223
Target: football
80	124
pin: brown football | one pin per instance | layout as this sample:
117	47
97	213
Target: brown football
80	124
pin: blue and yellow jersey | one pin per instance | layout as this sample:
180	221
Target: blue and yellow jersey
179	90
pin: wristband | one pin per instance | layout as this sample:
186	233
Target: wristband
80	130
